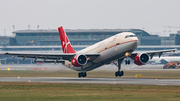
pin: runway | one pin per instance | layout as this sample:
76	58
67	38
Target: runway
134	81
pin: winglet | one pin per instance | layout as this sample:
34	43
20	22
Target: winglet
66	45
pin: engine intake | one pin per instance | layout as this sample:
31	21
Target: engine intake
79	60
141	59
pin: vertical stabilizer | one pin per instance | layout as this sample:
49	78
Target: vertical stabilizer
66	45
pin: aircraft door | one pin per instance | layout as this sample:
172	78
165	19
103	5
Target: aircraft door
117	38
117	41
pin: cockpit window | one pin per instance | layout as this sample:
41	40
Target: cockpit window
130	36
127	36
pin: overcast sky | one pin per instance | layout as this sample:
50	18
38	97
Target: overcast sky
151	15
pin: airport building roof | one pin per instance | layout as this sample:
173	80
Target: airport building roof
136	31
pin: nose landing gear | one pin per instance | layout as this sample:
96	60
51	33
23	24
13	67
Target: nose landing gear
127	62
127	54
82	73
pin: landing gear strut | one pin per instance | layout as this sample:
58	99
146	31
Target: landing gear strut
119	73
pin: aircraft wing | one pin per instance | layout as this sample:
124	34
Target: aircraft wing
57	57
152	53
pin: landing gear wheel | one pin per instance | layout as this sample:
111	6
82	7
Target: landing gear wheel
79	75
118	73
85	74
82	74
127	62
122	73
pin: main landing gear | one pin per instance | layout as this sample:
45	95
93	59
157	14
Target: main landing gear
82	74
119	73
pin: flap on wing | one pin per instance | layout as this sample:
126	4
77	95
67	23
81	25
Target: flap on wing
65	56
54	56
159	53
48	61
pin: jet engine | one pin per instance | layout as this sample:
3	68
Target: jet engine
141	59
79	60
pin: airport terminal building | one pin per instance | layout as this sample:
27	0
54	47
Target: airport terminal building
79	36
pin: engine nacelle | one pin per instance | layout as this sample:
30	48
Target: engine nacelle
141	59
79	60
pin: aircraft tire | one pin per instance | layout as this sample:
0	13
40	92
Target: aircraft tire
118	73
122	73
128	61
85	74
79	75
82	74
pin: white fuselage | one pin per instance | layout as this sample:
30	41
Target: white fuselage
110	49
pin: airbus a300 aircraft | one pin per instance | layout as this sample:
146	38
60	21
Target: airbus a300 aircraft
165	60
115	48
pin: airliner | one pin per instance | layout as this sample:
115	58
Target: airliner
111	50
165	60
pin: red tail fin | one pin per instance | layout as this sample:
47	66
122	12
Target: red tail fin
66	45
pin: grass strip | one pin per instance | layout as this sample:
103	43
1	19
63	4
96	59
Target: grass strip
86	92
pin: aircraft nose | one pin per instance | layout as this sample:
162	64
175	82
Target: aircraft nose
136	41
135	44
